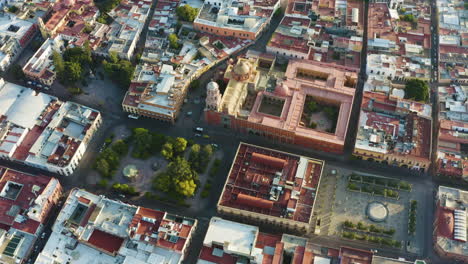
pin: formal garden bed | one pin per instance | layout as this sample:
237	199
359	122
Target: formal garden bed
412	217
355	235
371	229
385	182
372	190
172	183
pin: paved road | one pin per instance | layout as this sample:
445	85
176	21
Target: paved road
353	126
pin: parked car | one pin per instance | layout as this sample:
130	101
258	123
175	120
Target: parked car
133	116
198	129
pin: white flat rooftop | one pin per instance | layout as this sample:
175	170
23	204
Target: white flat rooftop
236	237
22	105
82	254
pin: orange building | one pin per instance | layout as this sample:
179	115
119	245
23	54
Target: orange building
450	224
235	19
273	187
261	103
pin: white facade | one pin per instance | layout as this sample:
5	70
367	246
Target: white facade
60	141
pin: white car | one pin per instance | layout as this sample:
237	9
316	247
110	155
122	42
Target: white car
199	129
133	116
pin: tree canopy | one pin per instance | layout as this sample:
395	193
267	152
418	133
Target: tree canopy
146	143
80	55
167	151
72	72
408	18
180	144
187	13
121	71
17	72
109	159
13	9
70	67
417	89
183	177
173	41
200	156
105	6
163	182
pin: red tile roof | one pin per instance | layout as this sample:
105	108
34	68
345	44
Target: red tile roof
445	222
23	199
207	255
352	255
105	241
258	166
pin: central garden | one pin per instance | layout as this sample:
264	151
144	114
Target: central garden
167	169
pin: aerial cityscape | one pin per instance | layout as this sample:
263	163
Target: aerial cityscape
233	131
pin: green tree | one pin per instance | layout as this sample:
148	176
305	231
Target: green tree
78	55
72	72
111	157
155	143
13	9
121	71
183	176
120	147
106	5
207	151
173	41
194	157
103	167
195	150
167	151
142	139
186	188
417	89
408	18
194	85
113	57
180	170
58	62
312	106
180	144
187	13
163	182
103	183
17	72
87	29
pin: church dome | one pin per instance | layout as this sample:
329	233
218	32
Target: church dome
282	90
242	68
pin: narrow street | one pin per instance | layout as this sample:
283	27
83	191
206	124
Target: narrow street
353	126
